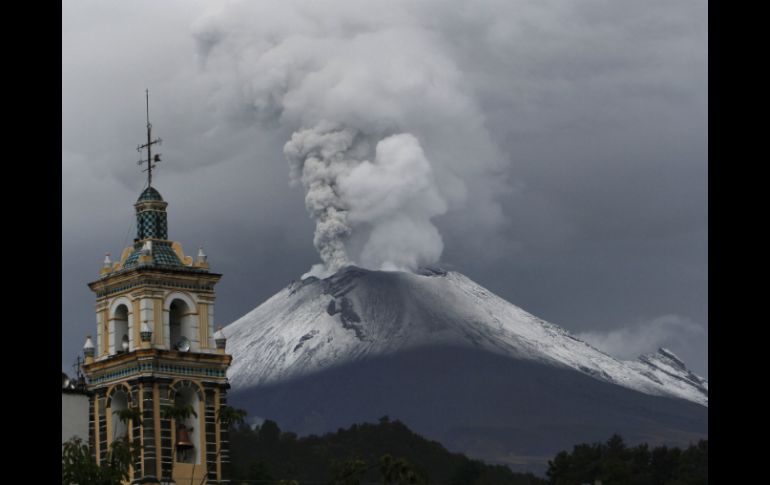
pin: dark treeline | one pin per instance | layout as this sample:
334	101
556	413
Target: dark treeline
387	452
390	453
615	463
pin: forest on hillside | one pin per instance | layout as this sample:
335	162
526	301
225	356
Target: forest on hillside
390	453
387	452
615	463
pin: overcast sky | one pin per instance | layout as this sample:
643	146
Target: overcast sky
565	141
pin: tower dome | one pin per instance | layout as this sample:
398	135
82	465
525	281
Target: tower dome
150	193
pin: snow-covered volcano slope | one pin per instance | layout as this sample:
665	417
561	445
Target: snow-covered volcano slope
316	325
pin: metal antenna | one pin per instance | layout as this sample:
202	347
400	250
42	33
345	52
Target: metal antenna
77	365
150	142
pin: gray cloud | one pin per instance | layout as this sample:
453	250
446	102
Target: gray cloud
576	187
679	334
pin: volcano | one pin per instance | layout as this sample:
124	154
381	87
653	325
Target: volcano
454	362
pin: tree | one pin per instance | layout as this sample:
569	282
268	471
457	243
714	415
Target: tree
178	412
398	471
614	462
269	432
348	472
229	417
616	465
258	471
129	414
694	464
79	467
468	472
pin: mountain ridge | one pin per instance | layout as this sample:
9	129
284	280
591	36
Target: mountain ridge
314	324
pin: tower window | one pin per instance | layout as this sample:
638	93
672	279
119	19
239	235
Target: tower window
180	324
187	432
119	402
120	328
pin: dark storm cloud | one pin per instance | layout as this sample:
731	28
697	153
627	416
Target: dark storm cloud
596	110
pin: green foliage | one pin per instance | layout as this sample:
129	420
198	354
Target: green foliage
230	416
258	471
129	414
269	433
614	462
386	452
79	467
398	471
348	472
178	412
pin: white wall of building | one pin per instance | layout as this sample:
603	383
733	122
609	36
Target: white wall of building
74	416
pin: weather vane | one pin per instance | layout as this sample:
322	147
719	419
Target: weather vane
150	161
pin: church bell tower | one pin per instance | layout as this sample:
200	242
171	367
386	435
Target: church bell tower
156	355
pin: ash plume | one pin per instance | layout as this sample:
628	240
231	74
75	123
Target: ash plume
317	159
387	133
392	198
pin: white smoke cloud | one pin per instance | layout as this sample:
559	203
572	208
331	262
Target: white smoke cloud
387	132
397	195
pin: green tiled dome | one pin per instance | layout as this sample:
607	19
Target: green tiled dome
162	255
149	194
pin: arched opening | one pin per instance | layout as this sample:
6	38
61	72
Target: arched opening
119	402
180	323
188	448
120	325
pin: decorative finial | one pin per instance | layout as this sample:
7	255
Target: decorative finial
106	265
146	335
220	339
88	347
201	255
150	142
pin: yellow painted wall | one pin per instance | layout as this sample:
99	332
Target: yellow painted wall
203	324
137	323
157	334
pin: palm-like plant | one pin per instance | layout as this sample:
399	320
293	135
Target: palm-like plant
230	416
128	415
178	411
